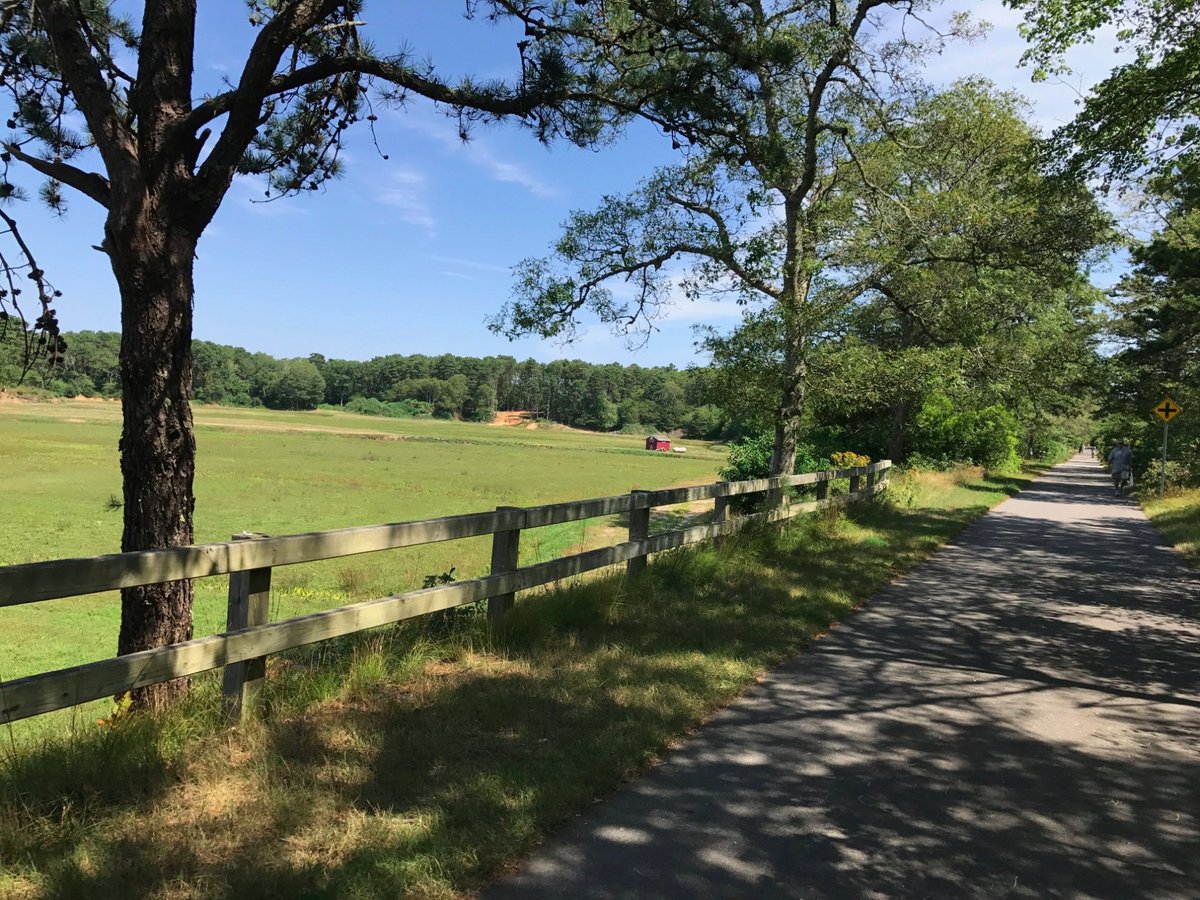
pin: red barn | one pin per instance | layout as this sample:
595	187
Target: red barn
658	442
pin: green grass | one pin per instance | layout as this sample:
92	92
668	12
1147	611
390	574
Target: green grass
399	763
282	473
1177	516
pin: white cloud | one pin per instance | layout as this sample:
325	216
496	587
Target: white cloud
475	151
408	195
469	263
702	309
997	57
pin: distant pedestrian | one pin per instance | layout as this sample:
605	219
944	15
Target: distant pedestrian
1120	464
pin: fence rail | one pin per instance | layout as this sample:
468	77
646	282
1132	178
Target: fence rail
248	560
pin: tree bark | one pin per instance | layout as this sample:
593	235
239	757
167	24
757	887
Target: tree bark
791	410
152	259
899	421
795	315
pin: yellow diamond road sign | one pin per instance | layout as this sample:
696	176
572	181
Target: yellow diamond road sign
1167	410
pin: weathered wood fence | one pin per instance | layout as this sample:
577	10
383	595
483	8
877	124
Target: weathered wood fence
248	560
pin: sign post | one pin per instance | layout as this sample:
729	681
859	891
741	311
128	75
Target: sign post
1167	410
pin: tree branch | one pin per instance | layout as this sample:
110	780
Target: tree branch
817	98
88	183
727	258
244	104
394	73
82	74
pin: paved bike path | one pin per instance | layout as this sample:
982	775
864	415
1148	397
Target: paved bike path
1017	717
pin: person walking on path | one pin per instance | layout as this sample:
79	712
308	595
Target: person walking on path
1120	464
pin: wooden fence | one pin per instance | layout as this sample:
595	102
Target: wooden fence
248	560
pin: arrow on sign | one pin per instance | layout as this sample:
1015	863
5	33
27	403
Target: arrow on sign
1167	410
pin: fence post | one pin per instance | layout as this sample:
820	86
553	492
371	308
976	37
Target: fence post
870	482
249	604
774	497
639	530
822	490
720	514
506	551
855	480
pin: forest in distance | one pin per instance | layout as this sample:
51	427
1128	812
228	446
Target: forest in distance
571	392
952	422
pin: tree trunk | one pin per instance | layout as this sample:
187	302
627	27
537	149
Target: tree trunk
791	407
896	436
152	261
795	314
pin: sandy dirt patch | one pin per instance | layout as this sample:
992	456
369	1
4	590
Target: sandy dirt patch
515	417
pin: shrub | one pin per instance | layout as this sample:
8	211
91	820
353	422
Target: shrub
367	406
749	458
410	409
847	459
947	431
636	428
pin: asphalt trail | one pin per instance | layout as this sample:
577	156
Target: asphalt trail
1018	717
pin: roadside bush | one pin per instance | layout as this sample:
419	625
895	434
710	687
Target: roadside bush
846	459
749	458
988	436
1051	449
917	460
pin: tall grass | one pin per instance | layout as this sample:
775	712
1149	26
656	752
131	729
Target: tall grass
418	761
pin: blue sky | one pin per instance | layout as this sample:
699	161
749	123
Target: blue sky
411	253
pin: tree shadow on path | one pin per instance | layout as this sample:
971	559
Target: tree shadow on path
1019	717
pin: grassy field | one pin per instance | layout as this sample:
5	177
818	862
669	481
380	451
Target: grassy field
413	762
282	473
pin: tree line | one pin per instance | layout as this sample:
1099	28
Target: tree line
606	397
1016	393
1137	132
